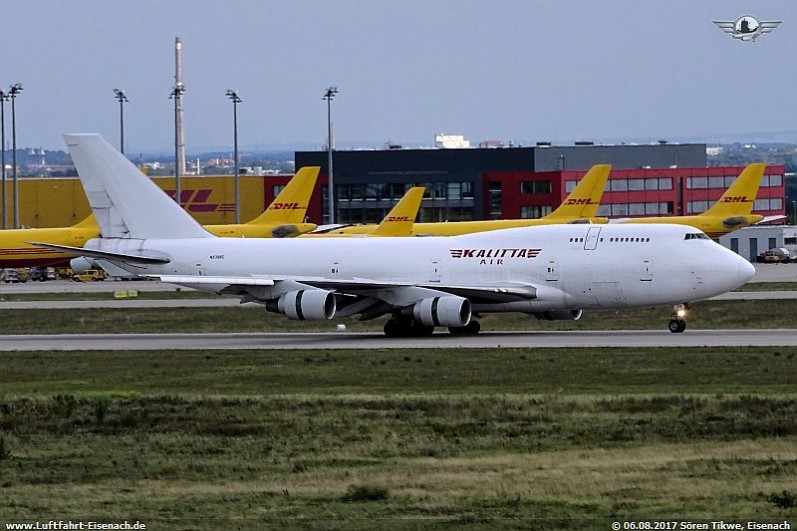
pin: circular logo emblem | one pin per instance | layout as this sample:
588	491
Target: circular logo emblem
746	24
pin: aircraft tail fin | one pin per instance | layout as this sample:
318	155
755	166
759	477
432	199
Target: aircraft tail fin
739	198
88	223
401	218
126	203
584	200
290	206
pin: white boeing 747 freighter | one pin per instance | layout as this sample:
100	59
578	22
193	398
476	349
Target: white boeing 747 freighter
551	272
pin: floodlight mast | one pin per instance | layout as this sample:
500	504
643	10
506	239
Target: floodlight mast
122	97
176	95
329	95
233	95
14	91
4	97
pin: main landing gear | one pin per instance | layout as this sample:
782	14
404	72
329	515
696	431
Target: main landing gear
404	327
677	322
470	329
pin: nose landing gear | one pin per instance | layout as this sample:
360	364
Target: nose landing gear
677	322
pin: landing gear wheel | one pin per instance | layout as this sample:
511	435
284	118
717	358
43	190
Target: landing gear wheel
470	329
393	328
407	328
677	326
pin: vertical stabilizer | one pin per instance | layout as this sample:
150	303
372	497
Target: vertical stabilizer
126	203
401	218
290	206
584	200
739	198
89	222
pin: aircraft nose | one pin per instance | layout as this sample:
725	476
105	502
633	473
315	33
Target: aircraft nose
745	271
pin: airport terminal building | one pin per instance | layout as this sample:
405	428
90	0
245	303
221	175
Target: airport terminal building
529	182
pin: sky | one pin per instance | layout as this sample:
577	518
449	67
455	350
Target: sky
512	70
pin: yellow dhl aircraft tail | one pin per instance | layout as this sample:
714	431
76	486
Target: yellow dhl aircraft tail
284	217
732	211
739	198
401	218
398	222
584	200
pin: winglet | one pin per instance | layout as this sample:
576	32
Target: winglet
584	200
739	198
126	203
401	218
290	206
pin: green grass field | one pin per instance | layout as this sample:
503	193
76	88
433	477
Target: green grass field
399	439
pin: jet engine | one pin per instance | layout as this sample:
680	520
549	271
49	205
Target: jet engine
442	311
81	264
559	315
305	305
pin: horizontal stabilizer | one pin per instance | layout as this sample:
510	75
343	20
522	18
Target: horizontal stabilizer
104	255
769	219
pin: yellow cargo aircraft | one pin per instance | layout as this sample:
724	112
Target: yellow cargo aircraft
398	222
732	211
283	218
580	206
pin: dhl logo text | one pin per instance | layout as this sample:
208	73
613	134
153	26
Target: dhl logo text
571	202
197	201
397	218
286	206
736	199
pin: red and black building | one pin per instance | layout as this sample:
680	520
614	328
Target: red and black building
525	182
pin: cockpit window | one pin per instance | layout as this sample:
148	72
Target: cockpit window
695	236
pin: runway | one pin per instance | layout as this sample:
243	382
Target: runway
374	340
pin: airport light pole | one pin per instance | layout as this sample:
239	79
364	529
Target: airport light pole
122	97
233	95
15	89
3	98
176	94
329	95
794	212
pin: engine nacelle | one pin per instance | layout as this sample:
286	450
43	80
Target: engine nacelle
306	305
559	315
81	264
442	311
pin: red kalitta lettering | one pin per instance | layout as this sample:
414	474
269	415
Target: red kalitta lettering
286	206
495	253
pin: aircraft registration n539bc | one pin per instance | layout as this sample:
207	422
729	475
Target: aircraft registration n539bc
551	272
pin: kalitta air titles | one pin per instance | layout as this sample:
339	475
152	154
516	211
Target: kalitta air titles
494	256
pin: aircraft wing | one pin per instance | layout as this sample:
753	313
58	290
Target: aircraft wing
394	294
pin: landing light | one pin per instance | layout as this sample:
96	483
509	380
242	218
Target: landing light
681	312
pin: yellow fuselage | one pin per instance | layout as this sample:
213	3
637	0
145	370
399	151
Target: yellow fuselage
713	226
